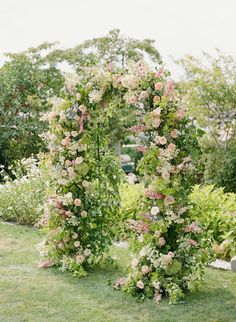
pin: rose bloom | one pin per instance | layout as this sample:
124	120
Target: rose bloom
162	140
158	86
143	95
83	213
156	122
140	285
192	242
78	96
82	108
77	243
63	182
156	112
165	175
87	252
166	259
134	263
79	160
77	202
79	258
171	147
85	183
61	245
68	163
75	235
174	134
68	214
169	200
66	141
145	269
133	99
155	210
74	133
162	241
156	99
52	115
156	285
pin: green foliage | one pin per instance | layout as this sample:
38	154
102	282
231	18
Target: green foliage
216	211
220	164
130	195
26	83
209	92
113	48
22	199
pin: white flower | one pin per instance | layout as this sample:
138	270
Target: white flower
140	285
155	210
134	263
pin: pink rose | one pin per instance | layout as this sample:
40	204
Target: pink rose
143	95
77	202
171	147
145	269
140	285
134	263
156	99
79	258
133	99
181	113
158	86
192	242
156	122
169	200
162	241
174	134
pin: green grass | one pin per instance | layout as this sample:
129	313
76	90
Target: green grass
31	294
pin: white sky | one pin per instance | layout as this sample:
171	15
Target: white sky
178	26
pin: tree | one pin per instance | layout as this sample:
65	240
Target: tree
26	83
210	97
113	48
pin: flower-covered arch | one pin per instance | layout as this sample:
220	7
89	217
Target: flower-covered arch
170	251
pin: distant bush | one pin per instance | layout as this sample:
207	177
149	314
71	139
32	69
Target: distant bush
22	199
216	211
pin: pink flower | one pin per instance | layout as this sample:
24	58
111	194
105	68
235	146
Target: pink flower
180	113
79	258
66	141
166	259
77	202
85	183
169	88
158	86
156	122
193	227
140	285
192	242
79	160
171	147
165	175
157	233
82	108
121	281
138	128
133	99
134	263
169	200
157	297
69	214
174	134
156	99
68	163
143	95
154	195
159	73
162	241
52	115
145	269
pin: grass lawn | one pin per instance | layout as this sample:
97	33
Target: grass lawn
31	294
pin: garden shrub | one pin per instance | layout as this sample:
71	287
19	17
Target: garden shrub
170	250
22	199
216	211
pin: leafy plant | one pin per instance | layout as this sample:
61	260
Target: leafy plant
22	199
216	211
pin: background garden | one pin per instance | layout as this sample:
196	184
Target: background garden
38	95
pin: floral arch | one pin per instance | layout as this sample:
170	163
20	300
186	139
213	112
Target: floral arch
170	251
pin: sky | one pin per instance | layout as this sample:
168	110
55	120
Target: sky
179	27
